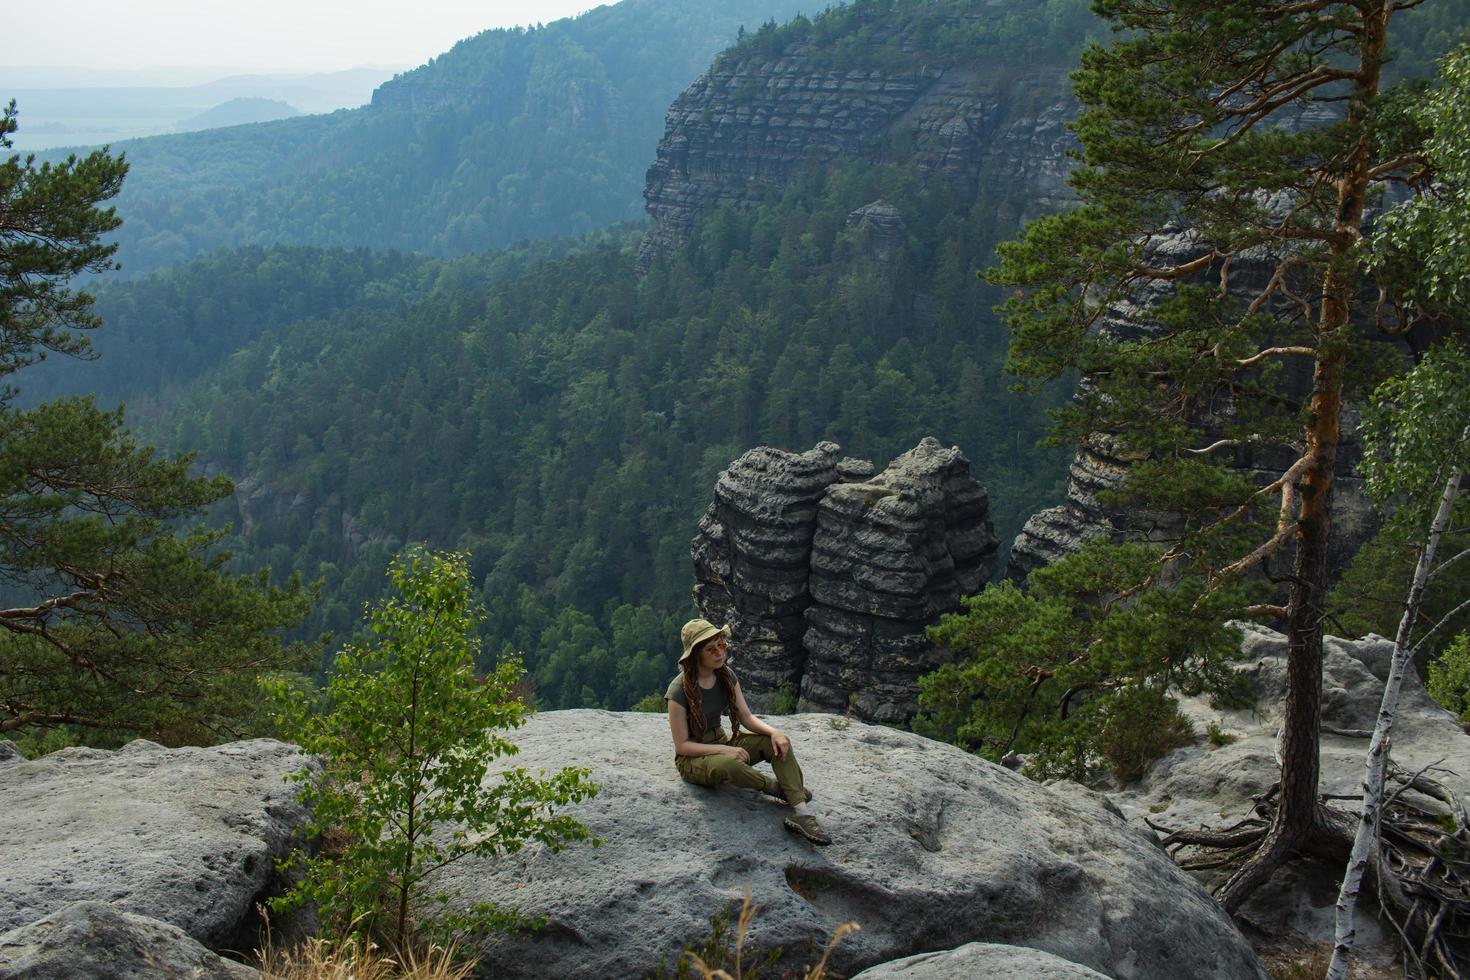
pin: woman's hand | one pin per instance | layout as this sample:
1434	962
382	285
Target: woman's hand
780	744
738	753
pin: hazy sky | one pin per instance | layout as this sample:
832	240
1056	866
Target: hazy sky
263	35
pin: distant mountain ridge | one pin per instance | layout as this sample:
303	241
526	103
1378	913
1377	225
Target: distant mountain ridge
513	134
238	112
63	108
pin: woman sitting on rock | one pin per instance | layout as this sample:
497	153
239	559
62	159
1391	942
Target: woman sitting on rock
702	693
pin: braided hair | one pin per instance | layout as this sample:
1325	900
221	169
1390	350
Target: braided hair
698	724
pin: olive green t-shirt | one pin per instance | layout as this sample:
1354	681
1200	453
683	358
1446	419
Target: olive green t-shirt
711	702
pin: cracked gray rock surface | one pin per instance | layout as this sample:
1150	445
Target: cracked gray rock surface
188	836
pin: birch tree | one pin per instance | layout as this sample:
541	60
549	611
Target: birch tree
1417	439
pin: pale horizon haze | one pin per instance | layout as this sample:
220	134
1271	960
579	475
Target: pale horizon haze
267	36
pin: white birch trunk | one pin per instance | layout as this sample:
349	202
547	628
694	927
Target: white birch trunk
1366	839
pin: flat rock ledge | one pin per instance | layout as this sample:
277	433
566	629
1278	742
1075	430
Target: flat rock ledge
95	939
933	848
188	836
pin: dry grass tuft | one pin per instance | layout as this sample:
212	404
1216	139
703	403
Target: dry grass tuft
318	960
742	926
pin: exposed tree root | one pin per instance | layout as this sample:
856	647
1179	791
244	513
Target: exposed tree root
1420	870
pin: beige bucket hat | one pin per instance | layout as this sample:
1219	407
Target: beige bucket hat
695	632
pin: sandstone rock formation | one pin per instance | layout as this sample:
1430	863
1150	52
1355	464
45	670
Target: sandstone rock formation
828	574
884	228
95	939
933	848
753	123
981	961
752	552
889	556
1207	785
188	836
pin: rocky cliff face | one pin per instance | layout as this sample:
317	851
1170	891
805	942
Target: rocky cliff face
829	574
753	123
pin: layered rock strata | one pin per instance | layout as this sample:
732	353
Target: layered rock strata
884	228
889	556
828	575
755	123
752	556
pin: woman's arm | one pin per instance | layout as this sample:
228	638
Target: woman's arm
684	745
780	744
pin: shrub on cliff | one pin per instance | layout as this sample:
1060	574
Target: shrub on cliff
408	732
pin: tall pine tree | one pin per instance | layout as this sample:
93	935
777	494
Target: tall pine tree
1216	136
112	620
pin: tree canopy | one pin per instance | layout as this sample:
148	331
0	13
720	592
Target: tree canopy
52	231
566	425
112	619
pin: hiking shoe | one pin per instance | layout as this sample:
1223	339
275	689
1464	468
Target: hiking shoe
806	825
773	788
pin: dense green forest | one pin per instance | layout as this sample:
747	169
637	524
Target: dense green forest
164	330
566	426
543	407
931	32
510	135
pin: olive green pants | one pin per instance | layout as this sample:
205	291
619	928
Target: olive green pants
712	770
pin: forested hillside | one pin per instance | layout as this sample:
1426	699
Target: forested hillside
164	330
510	135
548	408
566	427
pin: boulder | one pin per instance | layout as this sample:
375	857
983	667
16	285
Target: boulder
95	939
979	961
1208	785
933	848
189	836
9	752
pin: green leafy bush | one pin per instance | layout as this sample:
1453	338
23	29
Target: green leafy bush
1217	736
407	734
1449	678
1139	725
651	703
